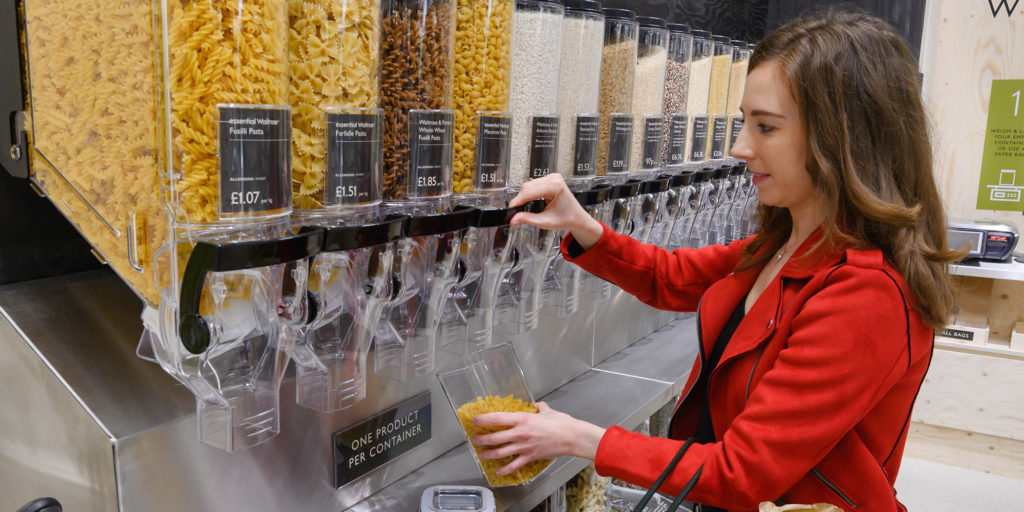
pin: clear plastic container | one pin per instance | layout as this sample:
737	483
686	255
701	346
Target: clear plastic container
334	61
491	381
521	294
649	94
618	67
698	236
425	271
624	499
739	190
675	210
415	92
579	88
536	65
737	83
482	69
677	79
685	221
653	199
597	202
697	95
350	284
722	202
718	96
554	503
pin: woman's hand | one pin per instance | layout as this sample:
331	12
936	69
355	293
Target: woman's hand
562	212
544	435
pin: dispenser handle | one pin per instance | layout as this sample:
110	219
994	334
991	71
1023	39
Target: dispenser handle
42	505
208	257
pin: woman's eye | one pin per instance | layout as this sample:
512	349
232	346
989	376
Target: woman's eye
765	128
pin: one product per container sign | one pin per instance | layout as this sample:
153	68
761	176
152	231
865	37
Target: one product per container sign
255	151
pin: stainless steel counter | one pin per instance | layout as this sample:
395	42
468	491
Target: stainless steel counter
83	419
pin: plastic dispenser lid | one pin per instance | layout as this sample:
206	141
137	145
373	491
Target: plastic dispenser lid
424	225
494	217
722	172
678	27
596	195
703	175
346	238
650	21
738	43
619	14
701	33
655	186
683	179
738	169
721	39
627	189
583	5
529	3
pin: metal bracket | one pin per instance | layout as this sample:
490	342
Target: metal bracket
13	146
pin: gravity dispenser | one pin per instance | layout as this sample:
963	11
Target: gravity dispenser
653	198
677	209
718	205
596	202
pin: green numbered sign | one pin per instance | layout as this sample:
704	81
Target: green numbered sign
1002	166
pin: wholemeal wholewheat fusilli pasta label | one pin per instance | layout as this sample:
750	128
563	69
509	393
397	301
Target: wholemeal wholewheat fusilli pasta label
430	150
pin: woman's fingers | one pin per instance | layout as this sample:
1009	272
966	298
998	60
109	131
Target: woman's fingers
515	465
549	187
497	419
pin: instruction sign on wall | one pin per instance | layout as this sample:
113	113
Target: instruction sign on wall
1002	165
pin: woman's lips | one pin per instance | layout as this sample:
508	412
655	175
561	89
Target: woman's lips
758	178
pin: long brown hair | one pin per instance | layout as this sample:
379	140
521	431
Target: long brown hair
868	150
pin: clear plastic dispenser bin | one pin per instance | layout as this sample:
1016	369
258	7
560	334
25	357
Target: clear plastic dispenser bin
491	381
579	86
625	205
749	223
653	197
677	77
521	294
350	285
596	202
687	234
737	197
718	204
697	95
615	102
677	208
649	95
425	270
718	97
229	337
705	209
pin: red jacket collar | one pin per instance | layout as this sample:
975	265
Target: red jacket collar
808	260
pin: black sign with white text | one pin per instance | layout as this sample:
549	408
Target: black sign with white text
677	140
354	158
619	143
585	150
430	150
699	139
493	150
720	125
255	153
380	439
654	128
543	146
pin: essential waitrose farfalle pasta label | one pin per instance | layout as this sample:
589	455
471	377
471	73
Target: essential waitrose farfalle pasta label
354	157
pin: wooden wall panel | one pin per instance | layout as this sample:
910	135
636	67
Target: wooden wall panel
965	48
972	392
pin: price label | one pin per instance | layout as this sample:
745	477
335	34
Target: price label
654	129
543	146
720	126
585	148
430	150
677	139
354	157
699	139
255	151
734	131
493	150
619	142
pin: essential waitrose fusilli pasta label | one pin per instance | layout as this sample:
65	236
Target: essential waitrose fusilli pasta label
255	149
354	158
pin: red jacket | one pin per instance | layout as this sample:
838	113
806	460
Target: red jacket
811	399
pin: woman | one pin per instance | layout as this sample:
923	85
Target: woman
817	332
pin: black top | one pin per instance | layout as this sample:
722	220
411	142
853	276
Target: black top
705	432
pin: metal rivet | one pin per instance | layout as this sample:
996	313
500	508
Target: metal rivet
16	153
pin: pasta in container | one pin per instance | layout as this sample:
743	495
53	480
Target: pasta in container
493	381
